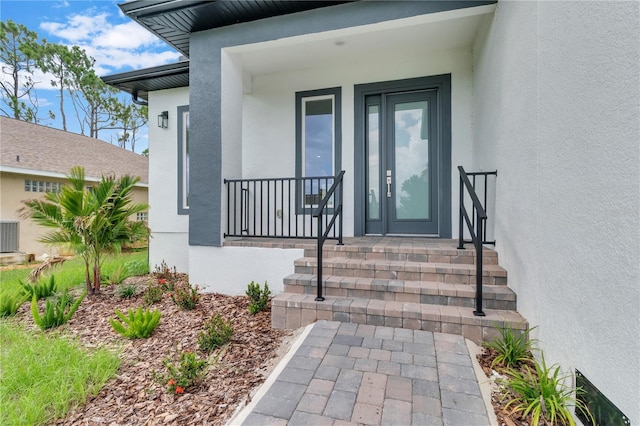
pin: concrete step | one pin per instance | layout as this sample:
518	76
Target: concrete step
403	270
290	311
429	292
406	253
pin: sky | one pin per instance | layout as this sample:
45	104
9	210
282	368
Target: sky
117	43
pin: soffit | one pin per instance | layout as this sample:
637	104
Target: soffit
174	20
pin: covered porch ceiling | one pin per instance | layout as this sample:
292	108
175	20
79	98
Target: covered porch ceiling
424	33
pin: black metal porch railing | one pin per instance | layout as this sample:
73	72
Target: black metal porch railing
278	207
476	225
322	224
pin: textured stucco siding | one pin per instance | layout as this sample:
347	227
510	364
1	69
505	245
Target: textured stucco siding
556	111
169	230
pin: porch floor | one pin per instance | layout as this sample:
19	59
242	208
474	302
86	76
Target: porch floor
355	243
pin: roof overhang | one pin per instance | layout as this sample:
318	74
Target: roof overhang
174	20
140	82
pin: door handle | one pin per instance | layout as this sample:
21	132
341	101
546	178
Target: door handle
388	183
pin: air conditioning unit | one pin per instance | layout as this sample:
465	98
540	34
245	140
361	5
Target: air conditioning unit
9	231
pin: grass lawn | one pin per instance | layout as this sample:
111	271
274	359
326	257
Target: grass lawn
71	274
44	374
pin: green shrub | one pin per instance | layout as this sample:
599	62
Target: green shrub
10	302
135	268
57	312
136	324
41	290
115	277
258	297
153	294
186	296
216	333
513	347
127	291
189	371
542	394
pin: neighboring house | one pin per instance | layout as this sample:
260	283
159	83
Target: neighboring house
36	159
544	92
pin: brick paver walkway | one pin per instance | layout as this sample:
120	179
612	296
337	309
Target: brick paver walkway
346	373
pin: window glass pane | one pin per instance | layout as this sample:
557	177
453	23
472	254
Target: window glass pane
318	138
373	150
318	147
412	160
27	185
40	186
185	165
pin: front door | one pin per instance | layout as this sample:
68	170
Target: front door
401	143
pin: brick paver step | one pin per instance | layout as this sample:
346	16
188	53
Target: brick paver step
430	292
403	270
289	310
400	253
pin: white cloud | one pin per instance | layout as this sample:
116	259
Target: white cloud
116	47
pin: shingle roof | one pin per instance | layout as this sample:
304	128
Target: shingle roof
44	149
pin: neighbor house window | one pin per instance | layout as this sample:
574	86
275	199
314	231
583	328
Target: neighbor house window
142	217
318	142
41	186
183	160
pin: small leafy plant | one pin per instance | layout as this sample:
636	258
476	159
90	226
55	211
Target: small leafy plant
136	324
41	290
56	312
189	371
217	332
164	272
513	347
542	393
10	302
116	277
186	296
258	297
127	291
153	294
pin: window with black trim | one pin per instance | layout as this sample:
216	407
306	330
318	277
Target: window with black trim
318	143
183	159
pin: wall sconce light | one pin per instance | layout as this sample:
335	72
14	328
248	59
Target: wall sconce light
163	119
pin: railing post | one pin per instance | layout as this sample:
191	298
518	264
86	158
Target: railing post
340	207
478	243
460	229
319	297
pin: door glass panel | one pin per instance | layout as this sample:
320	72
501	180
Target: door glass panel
411	153
373	150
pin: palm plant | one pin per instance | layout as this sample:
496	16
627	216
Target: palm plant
93	222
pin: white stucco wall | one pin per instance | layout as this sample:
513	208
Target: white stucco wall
269	150
556	112
228	270
169	231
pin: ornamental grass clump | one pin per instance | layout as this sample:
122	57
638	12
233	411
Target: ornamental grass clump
513	347
10	302
541	392
57	312
136	324
40	290
217	332
258	297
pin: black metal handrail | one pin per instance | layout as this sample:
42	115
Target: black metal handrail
476	225
278	207
322	236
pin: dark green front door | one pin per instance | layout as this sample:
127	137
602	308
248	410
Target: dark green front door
401	140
